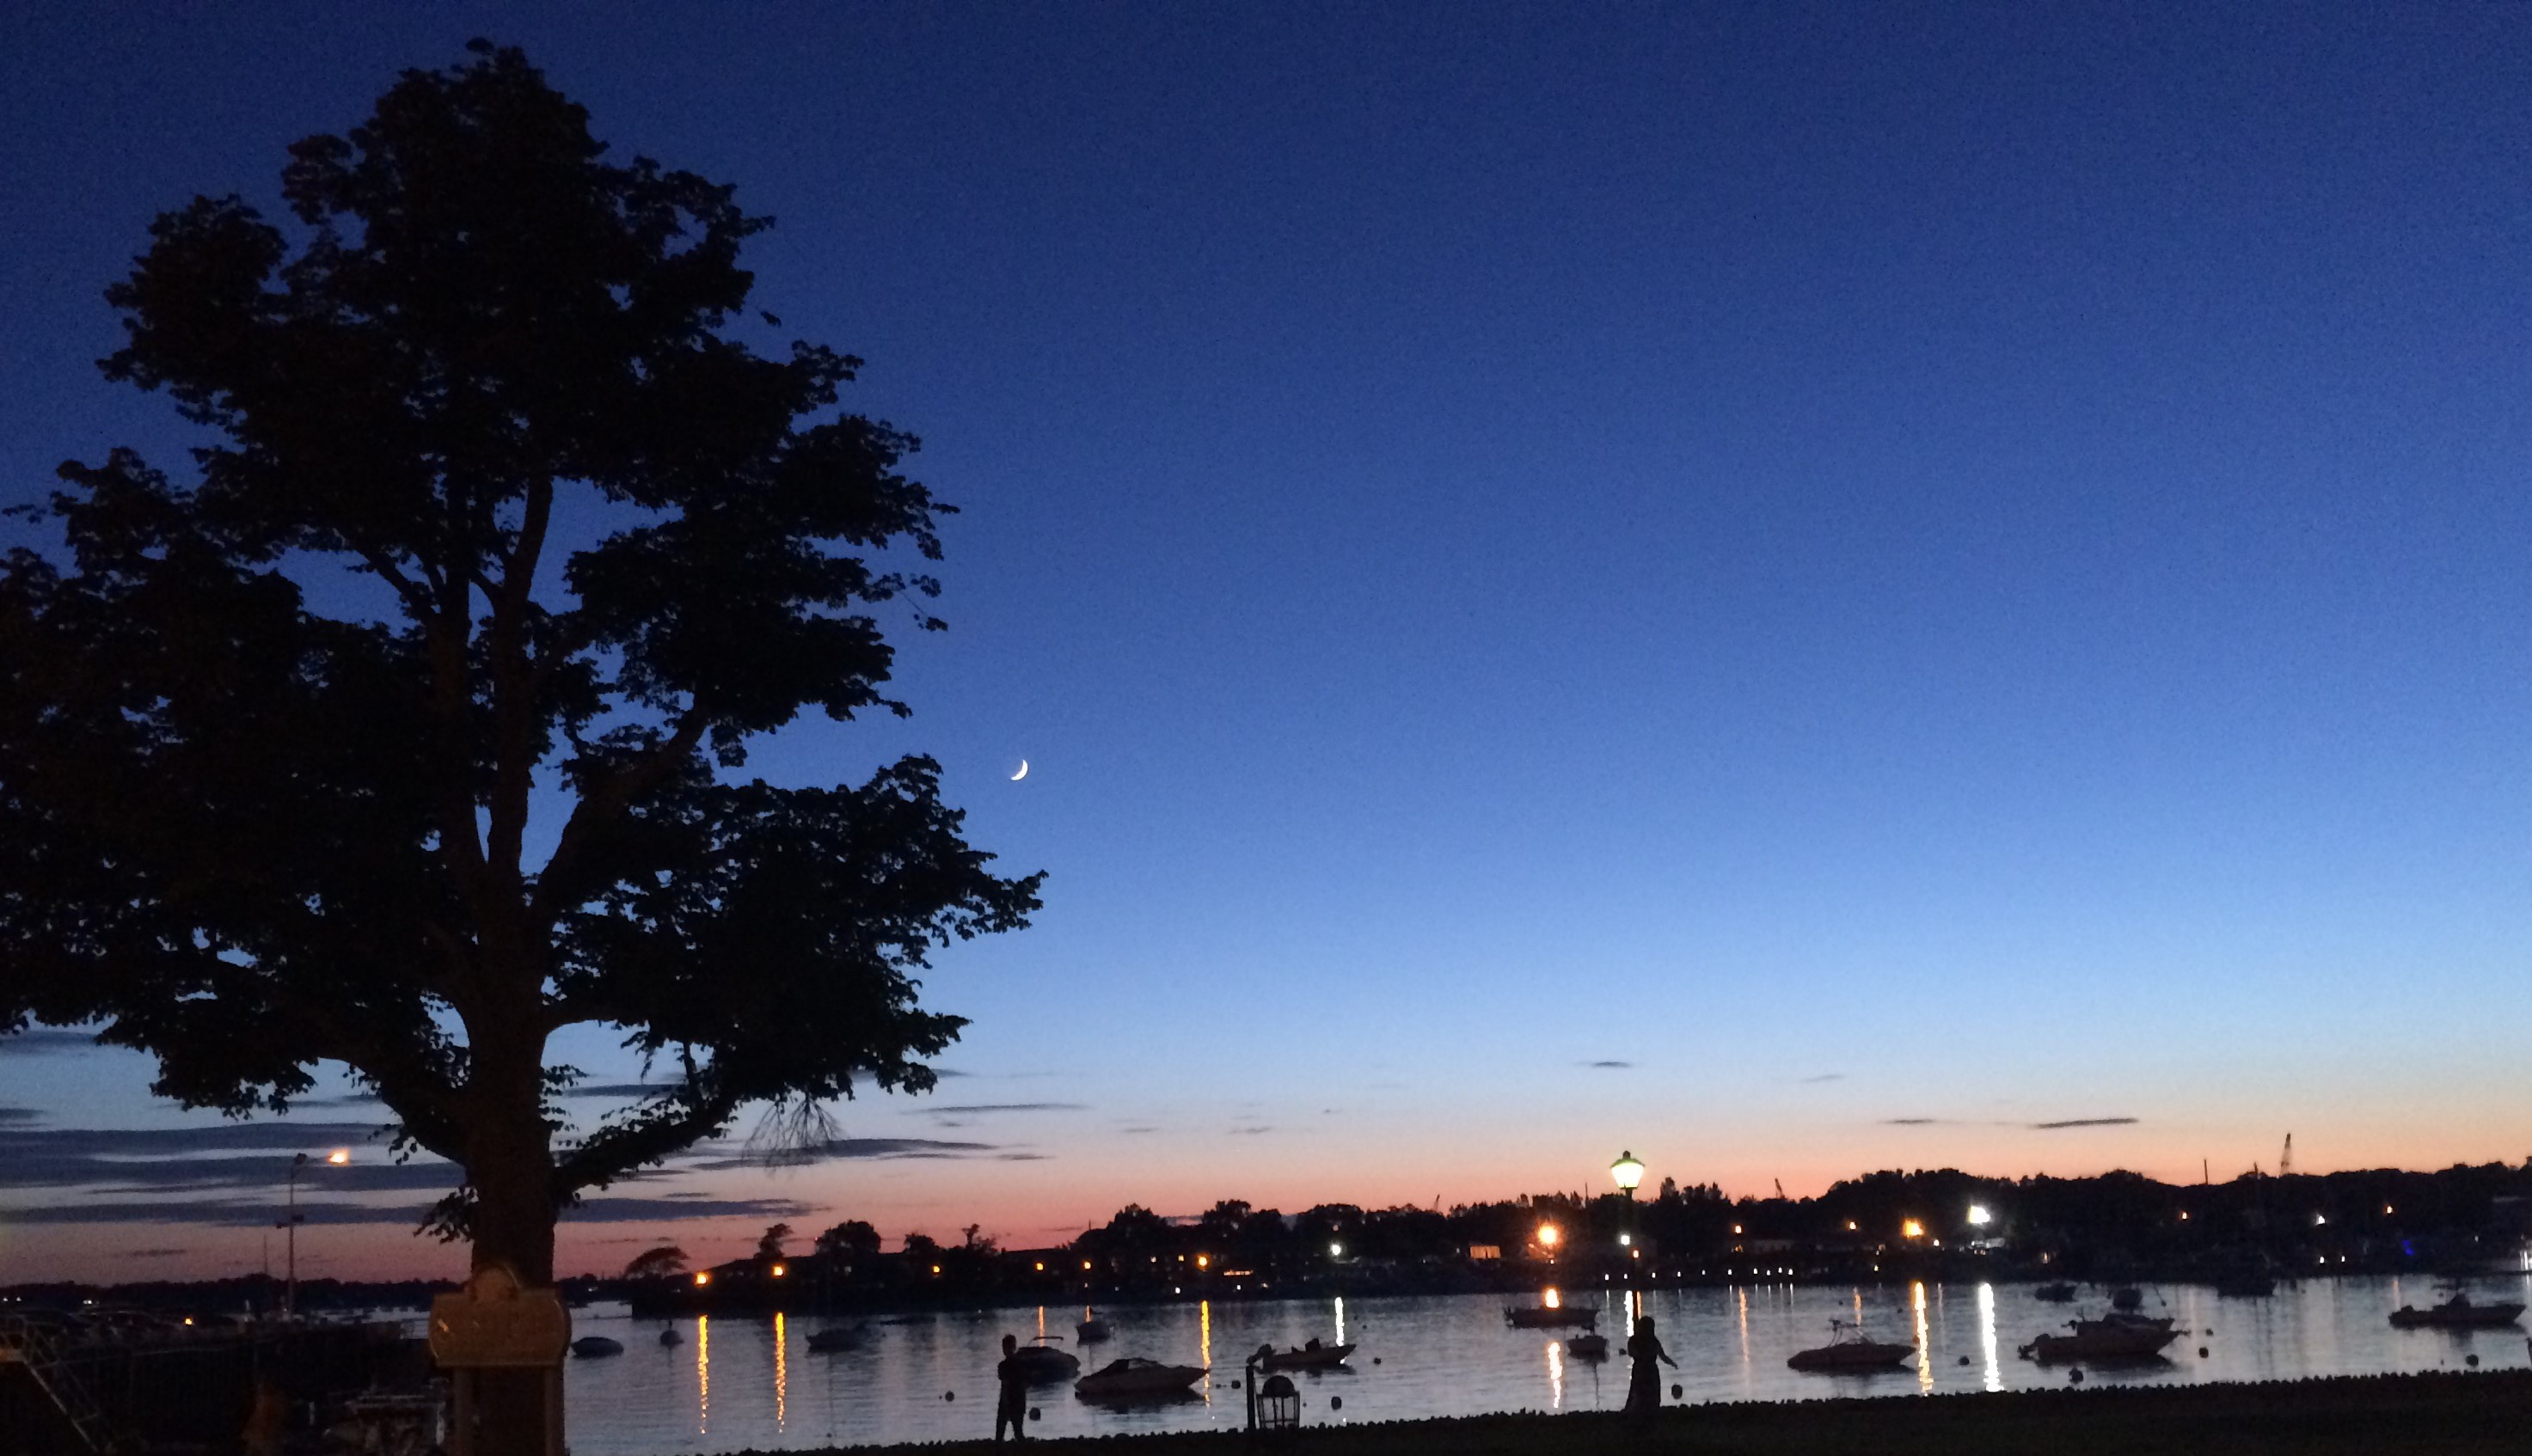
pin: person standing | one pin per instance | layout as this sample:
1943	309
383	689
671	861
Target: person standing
1644	1379
1012	1404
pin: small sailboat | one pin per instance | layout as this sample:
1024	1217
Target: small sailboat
1092	1329
1848	1350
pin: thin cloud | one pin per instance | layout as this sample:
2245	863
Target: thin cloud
151	1252
1251	1132
620	1089
259	1215
1610	1066
1134	1129
965	1109
1823	1077
37	1041
2084	1122
1913	1122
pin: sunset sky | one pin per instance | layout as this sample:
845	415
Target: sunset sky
1793	589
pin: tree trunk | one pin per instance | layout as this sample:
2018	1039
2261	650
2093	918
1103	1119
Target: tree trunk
510	1163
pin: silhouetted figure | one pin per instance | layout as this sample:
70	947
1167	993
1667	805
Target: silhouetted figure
1013	1404
1644	1379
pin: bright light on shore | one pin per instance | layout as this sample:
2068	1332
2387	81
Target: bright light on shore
1979	1215
339	1156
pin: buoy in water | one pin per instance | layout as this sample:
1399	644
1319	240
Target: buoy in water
1036	1415
2202	1352
1674	1392
949	1395
1965	1360
1336	1402
2471	1360
2075	1377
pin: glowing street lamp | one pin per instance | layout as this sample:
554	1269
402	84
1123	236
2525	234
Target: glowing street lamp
1911	1229
1548	1234
1628	1172
1980	1217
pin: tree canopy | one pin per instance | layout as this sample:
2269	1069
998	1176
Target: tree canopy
255	817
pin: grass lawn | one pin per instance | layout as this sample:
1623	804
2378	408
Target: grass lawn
2378	1416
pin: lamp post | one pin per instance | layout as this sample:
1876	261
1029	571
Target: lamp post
1629	1173
290	1297
298	1161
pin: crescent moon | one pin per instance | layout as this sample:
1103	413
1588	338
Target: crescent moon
1023	773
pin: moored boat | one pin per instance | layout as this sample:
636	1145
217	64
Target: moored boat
832	1338
1549	1317
1587	1346
591	1346
672	1337
1312	1356
1042	1360
1134	1377
2457	1312
1092	1329
2118	1336
2060	1293
1848	1350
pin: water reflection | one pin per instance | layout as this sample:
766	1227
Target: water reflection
1204	1342
1986	1336
1340	1318
703	1374
781	1373
1742	1297
1451	1355
1925	1340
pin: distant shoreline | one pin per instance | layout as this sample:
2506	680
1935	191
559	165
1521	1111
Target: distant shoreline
2354	1414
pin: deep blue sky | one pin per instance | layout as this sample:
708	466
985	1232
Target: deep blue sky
1956	563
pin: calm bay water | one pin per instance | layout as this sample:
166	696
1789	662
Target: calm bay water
738	1381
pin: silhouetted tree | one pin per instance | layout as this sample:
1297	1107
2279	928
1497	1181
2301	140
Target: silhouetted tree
768	1245
656	1263
851	1241
254	816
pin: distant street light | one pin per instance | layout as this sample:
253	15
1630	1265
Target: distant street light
1980	1216
1336	1251
1911	1229
1628	1172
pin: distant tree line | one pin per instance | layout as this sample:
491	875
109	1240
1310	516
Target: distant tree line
2116	1224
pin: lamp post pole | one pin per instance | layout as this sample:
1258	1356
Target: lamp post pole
290	1299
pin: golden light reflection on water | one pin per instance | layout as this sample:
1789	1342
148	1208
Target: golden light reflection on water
1742	1297
1986	1336
703	1374
1340	1318
781	1373
1204	1340
1556	1374
1924	1344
